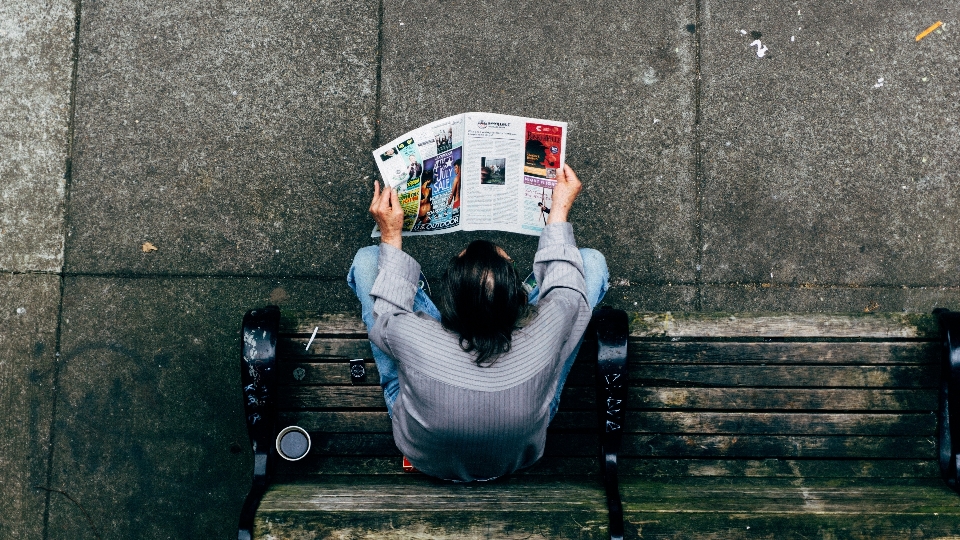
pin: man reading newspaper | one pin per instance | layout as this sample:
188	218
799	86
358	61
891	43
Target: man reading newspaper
473	377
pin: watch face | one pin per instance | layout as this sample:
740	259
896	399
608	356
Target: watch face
357	371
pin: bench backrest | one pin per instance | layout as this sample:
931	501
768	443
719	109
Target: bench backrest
710	395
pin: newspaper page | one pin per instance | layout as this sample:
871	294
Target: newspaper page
475	171
510	166
544	145
424	167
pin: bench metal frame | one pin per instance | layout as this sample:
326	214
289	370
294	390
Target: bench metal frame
261	328
950	397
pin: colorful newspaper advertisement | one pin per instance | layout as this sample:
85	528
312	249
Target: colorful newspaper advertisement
475	171
542	159
424	167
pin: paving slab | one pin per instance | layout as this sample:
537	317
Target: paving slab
28	316
831	161
36	50
232	136
150	438
622	78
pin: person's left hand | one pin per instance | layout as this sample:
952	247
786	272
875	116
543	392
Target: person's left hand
386	211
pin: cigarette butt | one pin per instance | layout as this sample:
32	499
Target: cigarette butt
309	343
926	32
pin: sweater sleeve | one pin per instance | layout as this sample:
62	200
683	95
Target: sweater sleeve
558	267
393	291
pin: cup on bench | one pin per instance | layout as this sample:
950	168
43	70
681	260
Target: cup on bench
293	443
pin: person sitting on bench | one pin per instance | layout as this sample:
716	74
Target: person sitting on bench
472	382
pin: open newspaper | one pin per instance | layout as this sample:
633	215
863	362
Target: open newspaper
475	171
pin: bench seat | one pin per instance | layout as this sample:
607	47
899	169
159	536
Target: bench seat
737	426
388	506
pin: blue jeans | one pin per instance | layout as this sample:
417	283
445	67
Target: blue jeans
363	273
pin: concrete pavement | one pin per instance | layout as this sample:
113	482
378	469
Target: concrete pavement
234	137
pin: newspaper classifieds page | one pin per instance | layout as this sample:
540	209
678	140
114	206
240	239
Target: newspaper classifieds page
510	164
424	166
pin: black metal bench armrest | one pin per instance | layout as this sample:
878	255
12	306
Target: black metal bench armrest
257	368
612	329
949	396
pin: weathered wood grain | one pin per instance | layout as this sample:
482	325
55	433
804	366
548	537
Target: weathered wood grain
750	375
875	425
303	322
675	446
796	376
765	446
523	507
717	399
421	493
576	522
803	353
295	347
337	372
588	466
721	325
695	325
740	399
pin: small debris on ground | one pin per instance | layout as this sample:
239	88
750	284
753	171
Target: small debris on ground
761	48
926	32
147	247
314	336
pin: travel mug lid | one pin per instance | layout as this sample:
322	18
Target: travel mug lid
293	443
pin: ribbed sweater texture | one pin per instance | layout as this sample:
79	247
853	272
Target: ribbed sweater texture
454	419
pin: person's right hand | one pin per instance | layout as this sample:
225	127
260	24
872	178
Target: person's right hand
386	211
564	193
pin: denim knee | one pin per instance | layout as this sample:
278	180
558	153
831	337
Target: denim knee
363	271
596	273
367	256
594	260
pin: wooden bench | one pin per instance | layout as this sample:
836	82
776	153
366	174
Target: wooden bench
737	426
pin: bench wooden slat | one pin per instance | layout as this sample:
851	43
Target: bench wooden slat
905	376
876	425
554	466
290	347
857	353
376	507
406	494
719	399
827	400
679	446
820	326
696	325
796	376
737	353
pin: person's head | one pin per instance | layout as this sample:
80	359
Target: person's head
485	174
481	298
456	166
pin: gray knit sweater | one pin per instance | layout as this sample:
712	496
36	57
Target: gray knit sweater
458	421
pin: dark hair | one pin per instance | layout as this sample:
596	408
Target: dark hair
481	298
